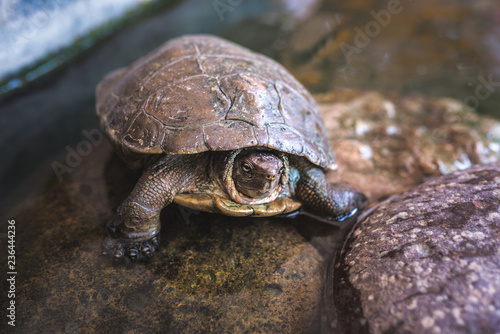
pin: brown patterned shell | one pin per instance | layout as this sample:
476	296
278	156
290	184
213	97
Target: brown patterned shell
198	93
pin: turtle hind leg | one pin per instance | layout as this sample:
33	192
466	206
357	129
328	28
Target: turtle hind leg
133	232
337	200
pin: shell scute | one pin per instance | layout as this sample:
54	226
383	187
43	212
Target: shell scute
183	140
198	93
241	135
189	103
144	131
253	100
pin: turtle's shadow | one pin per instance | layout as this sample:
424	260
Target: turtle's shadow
120	180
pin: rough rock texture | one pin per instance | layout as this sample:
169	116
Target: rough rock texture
426	261
385	145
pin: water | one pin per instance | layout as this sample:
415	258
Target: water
32	30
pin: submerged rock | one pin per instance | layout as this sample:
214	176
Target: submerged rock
426	261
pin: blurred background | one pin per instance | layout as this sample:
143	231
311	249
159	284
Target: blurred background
54	52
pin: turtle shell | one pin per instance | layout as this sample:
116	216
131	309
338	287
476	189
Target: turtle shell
198	93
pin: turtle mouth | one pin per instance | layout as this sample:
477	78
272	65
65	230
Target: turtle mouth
264	188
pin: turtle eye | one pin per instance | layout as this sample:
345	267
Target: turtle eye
246	167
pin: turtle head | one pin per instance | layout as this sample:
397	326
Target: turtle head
257	174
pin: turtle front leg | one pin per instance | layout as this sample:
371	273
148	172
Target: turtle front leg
134	229
337	200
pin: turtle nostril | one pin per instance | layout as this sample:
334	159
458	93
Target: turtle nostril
271	177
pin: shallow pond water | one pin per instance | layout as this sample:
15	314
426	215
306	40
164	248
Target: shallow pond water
438	48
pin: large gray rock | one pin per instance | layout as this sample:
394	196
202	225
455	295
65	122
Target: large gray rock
426	261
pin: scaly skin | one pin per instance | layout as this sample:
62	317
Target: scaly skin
336	200
133	232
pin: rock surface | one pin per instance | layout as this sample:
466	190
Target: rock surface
426	261
386	145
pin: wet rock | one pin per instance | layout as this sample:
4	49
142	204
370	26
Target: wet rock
213	273
387	145
426	261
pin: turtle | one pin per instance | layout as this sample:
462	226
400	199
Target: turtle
218	128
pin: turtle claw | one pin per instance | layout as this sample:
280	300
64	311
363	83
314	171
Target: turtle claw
118	254
134	251
146	251
155	242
